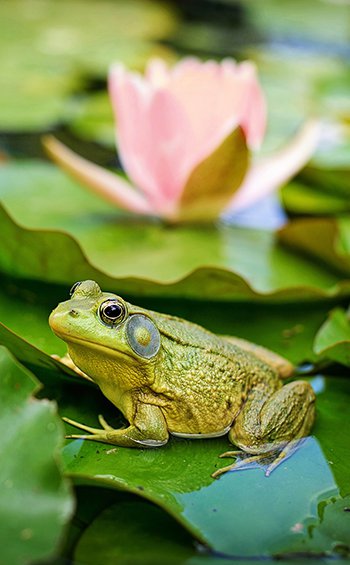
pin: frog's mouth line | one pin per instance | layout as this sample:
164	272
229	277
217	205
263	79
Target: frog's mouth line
92	345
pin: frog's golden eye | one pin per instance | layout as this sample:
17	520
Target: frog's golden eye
112	311
74	288
143	336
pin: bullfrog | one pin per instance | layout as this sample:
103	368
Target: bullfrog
169	376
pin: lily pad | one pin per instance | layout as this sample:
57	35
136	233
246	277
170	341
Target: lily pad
148	528
145	535
333	339
300	198
92	119
62	42
324	239
181	483
143	257
299	20
36	502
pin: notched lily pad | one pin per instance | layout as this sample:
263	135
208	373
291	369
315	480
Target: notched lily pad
35	502
142	257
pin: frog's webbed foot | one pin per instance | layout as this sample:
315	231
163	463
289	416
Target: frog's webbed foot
283	454
237	465
266	431
269	460
94	433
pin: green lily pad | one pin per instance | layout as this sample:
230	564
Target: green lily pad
143	257
299	87
61	42
329	180
300	198
144	538
92	119
145	535
36	502
312	20
333	339
181	482
324	239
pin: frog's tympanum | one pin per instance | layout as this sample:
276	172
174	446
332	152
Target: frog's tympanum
170	376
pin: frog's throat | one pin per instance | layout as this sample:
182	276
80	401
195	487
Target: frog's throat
92	345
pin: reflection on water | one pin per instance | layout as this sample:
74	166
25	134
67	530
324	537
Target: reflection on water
261	515
318	383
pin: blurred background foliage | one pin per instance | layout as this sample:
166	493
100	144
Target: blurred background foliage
288	290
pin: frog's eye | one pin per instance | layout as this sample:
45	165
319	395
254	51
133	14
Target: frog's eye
74	288
112	311
143	336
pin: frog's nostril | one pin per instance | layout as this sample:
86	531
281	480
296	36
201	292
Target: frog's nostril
73	313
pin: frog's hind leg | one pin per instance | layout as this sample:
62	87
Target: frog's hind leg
266	426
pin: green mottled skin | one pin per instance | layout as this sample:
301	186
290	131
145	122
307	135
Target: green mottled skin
198	383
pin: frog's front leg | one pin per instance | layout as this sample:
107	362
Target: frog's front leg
148	429
267	425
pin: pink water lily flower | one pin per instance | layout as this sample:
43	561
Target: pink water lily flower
185	136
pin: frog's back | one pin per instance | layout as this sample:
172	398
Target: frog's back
190	334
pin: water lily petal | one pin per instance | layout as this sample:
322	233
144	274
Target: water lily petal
200	92
253	119
154	136
269	174
101	181
217	97
130	97
157	72
171	141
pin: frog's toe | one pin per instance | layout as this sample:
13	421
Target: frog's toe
283	454
223	470
235	453
101	436
243	463
104	424
81	426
